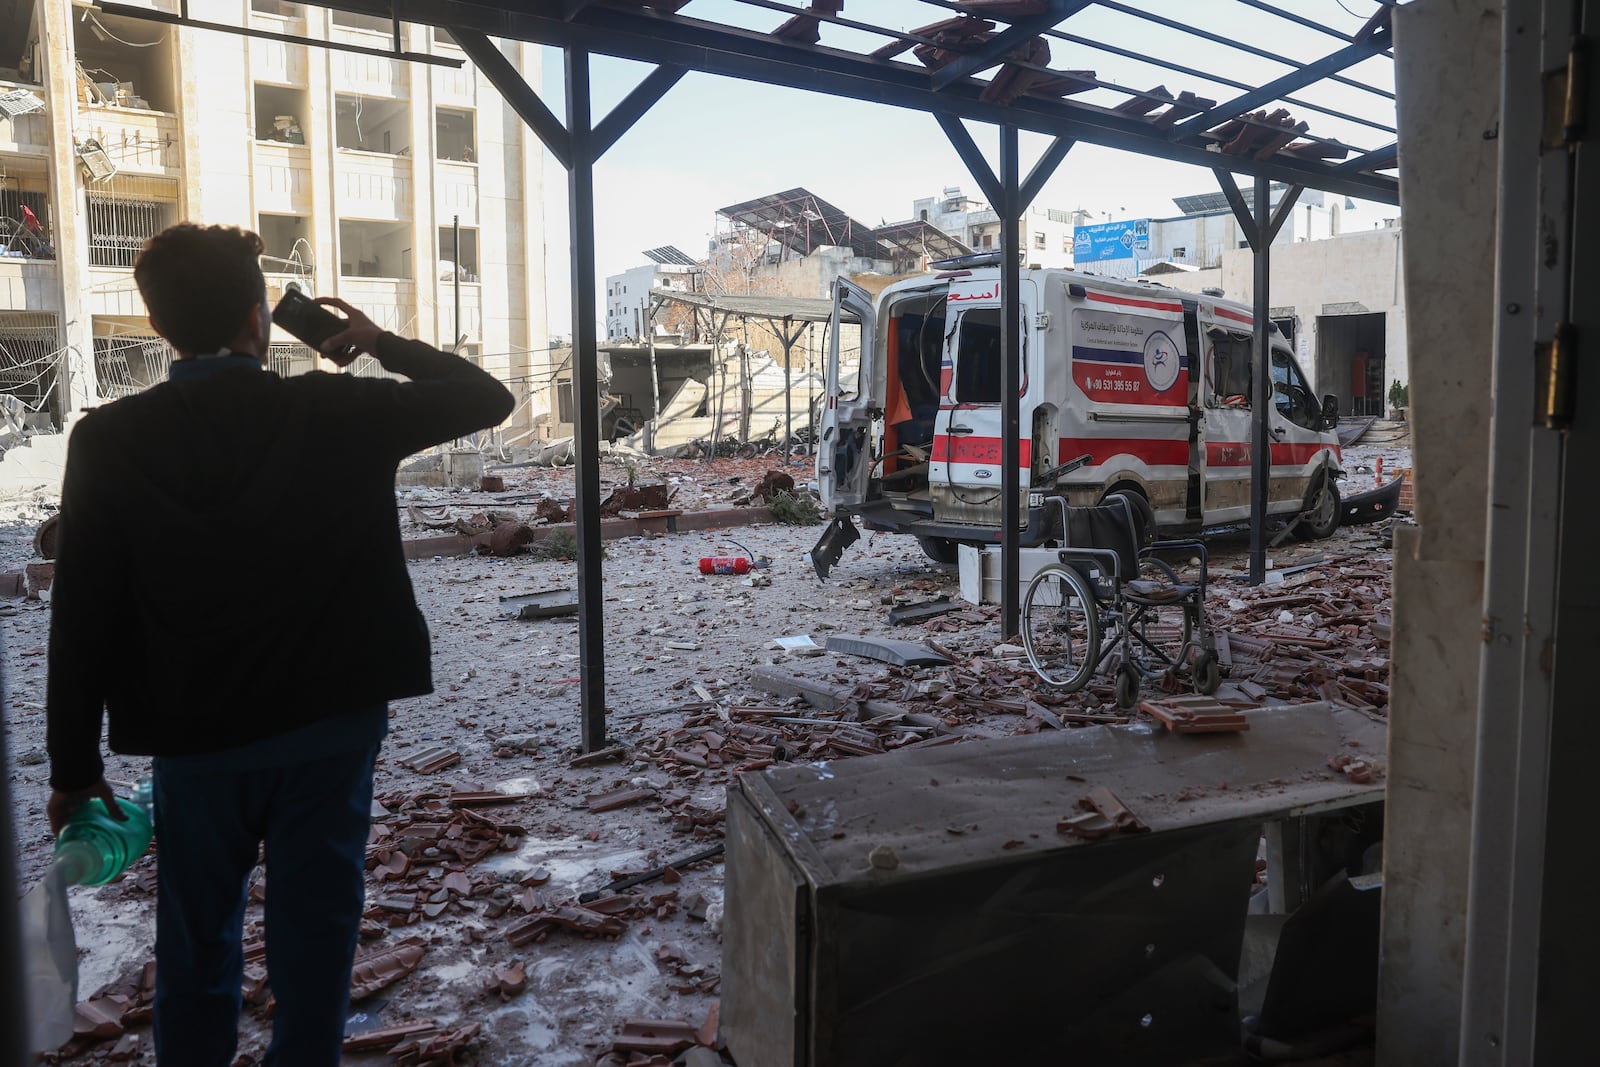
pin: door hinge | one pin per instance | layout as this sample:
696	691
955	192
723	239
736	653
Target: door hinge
1041	321
1554	364
1566	98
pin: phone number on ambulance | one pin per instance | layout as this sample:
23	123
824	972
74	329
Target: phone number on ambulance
1113	385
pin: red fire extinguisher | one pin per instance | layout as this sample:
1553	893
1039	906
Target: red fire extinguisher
724	565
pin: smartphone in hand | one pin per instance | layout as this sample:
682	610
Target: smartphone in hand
312	323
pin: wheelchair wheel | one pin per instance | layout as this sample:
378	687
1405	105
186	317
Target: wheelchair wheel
1207	674
1127	688
1060	630
1159	634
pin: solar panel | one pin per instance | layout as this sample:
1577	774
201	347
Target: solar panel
669	254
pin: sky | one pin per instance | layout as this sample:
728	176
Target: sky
712	142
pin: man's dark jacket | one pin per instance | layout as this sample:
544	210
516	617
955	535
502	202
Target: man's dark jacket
229	563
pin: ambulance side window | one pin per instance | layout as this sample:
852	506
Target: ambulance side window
978	364
1228	368
1290	393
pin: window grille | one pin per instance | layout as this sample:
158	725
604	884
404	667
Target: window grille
290	359
30	357
129	363
119	227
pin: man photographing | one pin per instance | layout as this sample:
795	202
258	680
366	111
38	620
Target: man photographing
231	595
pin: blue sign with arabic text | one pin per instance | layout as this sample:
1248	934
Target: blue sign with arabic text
1111	240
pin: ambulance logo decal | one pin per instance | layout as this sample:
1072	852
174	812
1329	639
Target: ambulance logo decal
1161	361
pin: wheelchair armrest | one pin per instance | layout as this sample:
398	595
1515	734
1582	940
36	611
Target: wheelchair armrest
1197	547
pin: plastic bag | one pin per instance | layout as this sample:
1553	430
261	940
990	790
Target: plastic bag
50	963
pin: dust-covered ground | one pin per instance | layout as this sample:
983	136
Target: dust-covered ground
680	647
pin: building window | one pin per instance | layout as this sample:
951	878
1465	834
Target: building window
1066	242
1180	253
923	215
120	225
455	135
352	21
30	356
129	363
468	263
988	240
368	124
374	249
281	8
286	241
1038	240
123	62
280	111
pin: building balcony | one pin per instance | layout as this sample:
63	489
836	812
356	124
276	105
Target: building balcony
455	191
112	292
471	311
138	142
368	75
283	178
30	284
454	86
391	303
27	135
372	185
279	61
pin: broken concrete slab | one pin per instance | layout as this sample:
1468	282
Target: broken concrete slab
887	650
546	604
906	614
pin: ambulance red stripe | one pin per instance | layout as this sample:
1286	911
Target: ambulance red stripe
1135	302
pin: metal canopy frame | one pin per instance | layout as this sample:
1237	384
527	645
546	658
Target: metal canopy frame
1023	93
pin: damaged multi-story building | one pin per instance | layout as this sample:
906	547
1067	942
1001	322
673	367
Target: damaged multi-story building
410	190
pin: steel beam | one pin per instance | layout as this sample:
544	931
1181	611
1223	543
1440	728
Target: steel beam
1241	208
517	92
717	49
1261	443
1046	166
994	50
1195	72
971	155
631	108
586	404
1387	156
1230	42
1010	383
1245	103
1280	215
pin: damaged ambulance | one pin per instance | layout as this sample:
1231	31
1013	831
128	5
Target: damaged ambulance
1151	384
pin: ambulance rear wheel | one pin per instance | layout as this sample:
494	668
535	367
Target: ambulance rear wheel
1322	512
941	549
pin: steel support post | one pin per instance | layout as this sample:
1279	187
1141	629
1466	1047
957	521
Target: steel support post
1010	382
586	404
1260	445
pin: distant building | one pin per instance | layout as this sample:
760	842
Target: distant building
354	168
1341	302
1127	248
1047	233
628	294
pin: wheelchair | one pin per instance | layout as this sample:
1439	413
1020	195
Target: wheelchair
1108	598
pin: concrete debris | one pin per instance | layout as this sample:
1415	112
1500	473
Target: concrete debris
510	539
1196	715
545	604
888	650
430	760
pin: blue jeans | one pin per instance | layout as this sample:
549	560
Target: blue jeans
211	817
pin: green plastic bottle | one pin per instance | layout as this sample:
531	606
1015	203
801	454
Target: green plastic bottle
93	848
